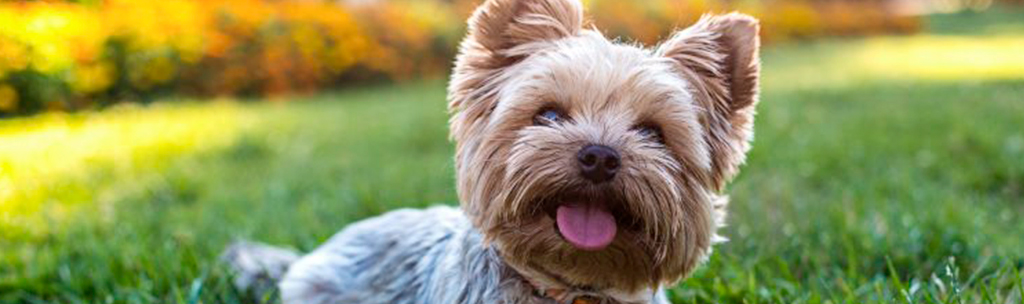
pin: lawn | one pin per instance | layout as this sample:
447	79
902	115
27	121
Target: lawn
885	170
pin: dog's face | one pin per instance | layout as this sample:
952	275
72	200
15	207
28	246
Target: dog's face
596	164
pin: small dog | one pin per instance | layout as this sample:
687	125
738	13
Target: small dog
588	171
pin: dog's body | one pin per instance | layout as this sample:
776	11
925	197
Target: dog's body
588	171
411	257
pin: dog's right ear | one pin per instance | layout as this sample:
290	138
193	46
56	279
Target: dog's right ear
502	32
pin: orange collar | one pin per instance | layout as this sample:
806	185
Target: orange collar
586	300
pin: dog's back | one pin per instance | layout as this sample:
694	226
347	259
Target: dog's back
386	259
404	256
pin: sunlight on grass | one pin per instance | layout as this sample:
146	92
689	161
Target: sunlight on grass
921	58
52	160
944	57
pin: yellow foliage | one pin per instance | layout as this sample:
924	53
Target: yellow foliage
155	25
8	98
197	46
791	20
48	37
652	20
153	71
224	47
13	55
92	77
407	35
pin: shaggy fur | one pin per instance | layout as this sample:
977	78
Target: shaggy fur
414	256
523	57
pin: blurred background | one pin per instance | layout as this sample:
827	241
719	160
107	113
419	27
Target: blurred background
137	138
86	54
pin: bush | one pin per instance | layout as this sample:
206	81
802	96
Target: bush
68	56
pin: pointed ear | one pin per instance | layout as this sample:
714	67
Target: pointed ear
502	32
499	26
718	56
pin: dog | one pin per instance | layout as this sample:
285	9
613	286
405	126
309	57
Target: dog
588	171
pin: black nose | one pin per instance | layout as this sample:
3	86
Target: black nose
598	163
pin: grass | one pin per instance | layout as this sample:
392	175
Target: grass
48	158
865	184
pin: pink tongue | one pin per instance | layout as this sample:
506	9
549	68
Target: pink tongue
586	227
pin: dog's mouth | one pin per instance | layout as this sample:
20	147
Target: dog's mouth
589	222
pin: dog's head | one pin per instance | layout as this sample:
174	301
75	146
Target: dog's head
593	163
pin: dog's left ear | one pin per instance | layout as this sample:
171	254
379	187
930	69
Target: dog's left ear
718	56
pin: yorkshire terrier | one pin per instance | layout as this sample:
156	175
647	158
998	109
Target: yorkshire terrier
588	171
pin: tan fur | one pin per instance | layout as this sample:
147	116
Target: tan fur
699	88
718	56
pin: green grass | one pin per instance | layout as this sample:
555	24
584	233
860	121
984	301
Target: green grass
996	20
864	186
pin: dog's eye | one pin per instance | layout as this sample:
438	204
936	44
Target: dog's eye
547	117
651	133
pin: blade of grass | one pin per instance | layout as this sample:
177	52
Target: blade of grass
896	280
